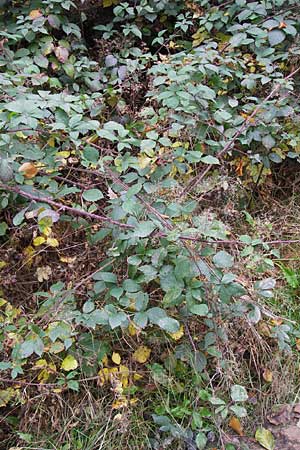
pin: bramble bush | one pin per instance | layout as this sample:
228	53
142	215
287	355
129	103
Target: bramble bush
111	114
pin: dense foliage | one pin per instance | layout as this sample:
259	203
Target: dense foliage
116	120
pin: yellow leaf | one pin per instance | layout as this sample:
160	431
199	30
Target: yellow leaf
35	14
137	377
106	374
105	360
141	355
69	363
178	334
63	154
268	375
67	259
124	375
236	426
2	264
38	241
29	170
103	376
116	358
121	402
52	242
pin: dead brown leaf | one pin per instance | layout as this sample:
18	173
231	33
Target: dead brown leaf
236	426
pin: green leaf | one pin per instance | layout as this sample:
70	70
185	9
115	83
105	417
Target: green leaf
59	330
3	228
171	296
168	324
238	393
117	319
92	195
33	344
209	159
143	229
223	260
199	310
141	319
276	37
91	154
69	69
201	441
69	363
6	172
265	438
238	411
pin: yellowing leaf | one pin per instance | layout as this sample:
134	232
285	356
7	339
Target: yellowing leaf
141	355
2	264
236	426
40	363
61	53
51	142
56	347
69	363
29	170
46	230
6	395
43	376
131	329
52	242
38	241
2	302
35	14
268	375
265	438
144	161
178	334
116	358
